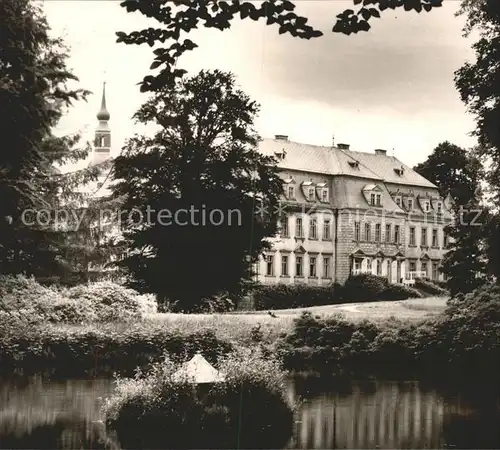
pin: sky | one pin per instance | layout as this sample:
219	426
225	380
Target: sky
391	87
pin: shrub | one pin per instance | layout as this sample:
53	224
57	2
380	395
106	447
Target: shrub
430	287
283	296
102	350
156	411
111	302
400	292
25	300
217	304
147	304
365	287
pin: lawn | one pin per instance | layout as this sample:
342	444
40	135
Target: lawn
239	325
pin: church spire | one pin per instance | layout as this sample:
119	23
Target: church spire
103	114
102	142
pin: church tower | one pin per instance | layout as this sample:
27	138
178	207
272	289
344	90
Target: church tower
102	142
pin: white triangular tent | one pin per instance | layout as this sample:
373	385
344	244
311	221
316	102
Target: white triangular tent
198	370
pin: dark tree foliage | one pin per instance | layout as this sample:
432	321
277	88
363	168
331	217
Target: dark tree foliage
478	82
455	171
33	97
179	17
203	157
458	173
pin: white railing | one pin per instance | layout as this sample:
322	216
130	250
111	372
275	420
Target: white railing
410	277
360	271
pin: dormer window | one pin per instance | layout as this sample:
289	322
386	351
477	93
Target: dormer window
309	190
399	171
354	164
373	194
290	192
280	155
410	203
322	191
375	199
398	201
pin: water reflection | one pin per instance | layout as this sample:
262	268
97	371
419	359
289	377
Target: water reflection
334	414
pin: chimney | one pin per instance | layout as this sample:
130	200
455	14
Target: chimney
379	151
280	137
343	146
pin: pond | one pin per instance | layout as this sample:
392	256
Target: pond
386	414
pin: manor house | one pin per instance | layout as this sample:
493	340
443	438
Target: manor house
346	212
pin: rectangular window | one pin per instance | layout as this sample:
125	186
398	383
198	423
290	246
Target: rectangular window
291	192
372	199
434	238
326	267
413	266
446	240
369	265
396	234
298	227
313	229
311	194
378	232
324	195
284	265
298	266
269	265
356	231
427	206
326	229
388	233
312	266
379	199
424	237
410	204
379	267
439	207
412	236
424	268
435	271
368	232
357	265
398	201
285	231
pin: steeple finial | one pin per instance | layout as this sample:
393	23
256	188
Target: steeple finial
103	114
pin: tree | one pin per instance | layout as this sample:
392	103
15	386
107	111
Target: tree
33	97
458	173
179	17
197	183
455	171
478	83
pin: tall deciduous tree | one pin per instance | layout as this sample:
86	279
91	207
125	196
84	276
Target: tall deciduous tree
33	97
458	173
193	190
478	83
179	17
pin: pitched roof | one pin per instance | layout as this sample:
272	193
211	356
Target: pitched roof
335	161
198	370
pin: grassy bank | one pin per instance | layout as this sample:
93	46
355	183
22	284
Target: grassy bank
105	348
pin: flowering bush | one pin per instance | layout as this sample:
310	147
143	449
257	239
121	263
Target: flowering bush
25	300
111	302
